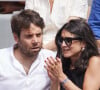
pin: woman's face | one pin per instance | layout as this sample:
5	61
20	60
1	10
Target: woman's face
71	45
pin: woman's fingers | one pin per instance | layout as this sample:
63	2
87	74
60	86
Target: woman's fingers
53	65
51	60
58	59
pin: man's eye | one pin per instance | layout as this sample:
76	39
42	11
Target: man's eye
29	36
38	35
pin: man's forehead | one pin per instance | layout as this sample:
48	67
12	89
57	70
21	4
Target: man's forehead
31	32
32	29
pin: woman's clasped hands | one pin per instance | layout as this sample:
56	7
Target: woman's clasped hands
54	69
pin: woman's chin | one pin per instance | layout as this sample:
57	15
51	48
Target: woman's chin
67	55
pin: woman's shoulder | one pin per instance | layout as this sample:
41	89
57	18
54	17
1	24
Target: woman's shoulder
94	61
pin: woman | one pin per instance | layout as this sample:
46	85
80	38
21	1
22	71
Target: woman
55	14
76	46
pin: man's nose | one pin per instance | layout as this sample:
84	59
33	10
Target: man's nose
34	39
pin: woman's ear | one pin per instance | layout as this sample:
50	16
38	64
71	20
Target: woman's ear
83	45
15	37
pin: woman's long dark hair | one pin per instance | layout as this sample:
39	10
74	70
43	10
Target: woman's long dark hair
78	27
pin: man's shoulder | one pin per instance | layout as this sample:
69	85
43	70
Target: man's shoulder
47	52
5	55
5	51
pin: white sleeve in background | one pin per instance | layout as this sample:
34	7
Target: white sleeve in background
29	4
79	8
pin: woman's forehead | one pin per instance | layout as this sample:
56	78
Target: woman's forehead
65	33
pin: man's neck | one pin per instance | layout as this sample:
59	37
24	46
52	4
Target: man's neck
24	60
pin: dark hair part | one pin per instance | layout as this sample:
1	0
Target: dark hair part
24	19
80	28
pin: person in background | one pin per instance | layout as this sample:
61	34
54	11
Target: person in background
89	8
55	14
7	6
22	66
76	46
94	20
91	80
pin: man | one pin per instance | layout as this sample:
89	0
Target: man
22	66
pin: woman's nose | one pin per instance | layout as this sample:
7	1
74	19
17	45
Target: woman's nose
63	43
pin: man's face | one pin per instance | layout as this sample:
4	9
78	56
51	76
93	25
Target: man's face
30	41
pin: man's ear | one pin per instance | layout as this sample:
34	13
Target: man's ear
15	37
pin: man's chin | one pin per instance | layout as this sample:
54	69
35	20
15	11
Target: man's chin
33	53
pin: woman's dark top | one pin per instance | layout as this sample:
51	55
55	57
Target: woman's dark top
76	77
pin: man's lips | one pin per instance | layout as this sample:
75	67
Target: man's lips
35	48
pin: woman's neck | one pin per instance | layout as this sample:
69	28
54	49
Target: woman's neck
73	60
